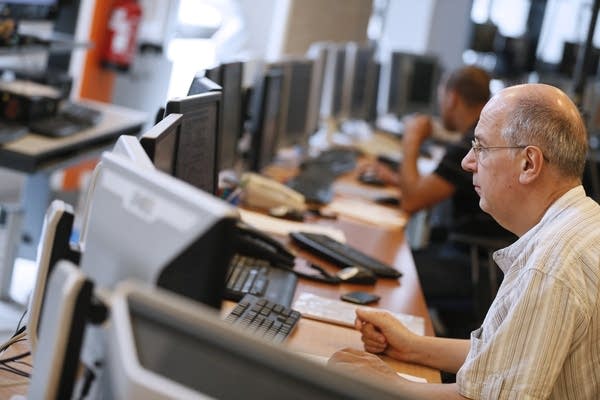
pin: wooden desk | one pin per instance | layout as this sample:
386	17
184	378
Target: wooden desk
403	295
8	378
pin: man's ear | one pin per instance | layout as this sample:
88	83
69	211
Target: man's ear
532	161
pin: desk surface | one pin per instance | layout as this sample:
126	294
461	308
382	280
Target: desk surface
33	152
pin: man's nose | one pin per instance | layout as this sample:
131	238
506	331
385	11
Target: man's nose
469	162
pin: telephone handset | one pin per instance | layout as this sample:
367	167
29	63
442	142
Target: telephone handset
266	193
254	243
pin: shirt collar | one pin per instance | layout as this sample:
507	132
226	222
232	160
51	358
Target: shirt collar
506	257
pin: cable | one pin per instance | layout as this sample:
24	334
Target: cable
19	323
19	337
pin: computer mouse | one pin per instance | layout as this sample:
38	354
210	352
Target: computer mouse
370	177
357	274
388	200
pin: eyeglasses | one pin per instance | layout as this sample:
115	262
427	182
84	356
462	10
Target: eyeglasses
478	148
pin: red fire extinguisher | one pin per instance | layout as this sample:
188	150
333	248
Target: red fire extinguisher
120	47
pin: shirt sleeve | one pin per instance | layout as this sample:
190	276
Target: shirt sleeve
523	356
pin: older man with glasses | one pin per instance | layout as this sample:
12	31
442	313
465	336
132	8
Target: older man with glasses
541	337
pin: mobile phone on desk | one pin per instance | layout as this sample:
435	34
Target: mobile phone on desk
361	298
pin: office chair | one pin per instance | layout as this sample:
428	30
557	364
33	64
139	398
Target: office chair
481	250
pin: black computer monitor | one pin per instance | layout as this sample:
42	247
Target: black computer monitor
338	72
413	83
198	139
318	53
160	143
362	81
265	115
295	102
230	78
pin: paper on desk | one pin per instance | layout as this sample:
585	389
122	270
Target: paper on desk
323	360
356	190
278	226
343	313
369	213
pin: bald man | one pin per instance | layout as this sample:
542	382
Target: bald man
541	336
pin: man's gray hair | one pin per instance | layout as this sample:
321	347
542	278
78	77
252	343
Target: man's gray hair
561	136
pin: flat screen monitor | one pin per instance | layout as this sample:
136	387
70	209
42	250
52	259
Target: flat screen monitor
229	76
295	102
265	116
130	148
147	225
160	143
198	136
361	81
162	346
339	68
54	245
413	83
318	53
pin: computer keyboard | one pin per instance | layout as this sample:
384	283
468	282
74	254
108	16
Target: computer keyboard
70	119
248	275
10	131
342	254
271	321
317	174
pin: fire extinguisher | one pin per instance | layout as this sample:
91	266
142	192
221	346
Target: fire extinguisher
120	47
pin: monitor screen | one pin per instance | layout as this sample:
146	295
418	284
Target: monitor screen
229	76
295	102
197	149
160	143
317	53
161	344
265	116
363	84
147	225
413	83
338	81
130	148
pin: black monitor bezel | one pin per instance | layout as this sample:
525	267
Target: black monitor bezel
187	106
153	140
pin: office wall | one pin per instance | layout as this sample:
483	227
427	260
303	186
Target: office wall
310	21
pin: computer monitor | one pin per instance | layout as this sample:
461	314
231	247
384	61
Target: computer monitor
413	83
160	143
163	346
129	147
68	300
266	109
147	225
295	102
318	53
339	69
55	244
229	76
360	82
197	149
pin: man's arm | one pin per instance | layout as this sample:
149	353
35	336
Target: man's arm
419	191
383	333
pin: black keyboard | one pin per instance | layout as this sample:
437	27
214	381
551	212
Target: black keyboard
70	119
342	254
266	319
10	131
317	174
248	275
